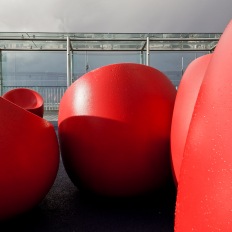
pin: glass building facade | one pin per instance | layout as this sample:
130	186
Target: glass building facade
50	62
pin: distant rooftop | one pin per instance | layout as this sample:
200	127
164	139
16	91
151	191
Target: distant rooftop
35	41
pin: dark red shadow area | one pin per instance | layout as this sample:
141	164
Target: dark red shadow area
113	158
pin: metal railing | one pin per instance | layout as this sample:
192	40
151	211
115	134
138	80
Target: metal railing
51	94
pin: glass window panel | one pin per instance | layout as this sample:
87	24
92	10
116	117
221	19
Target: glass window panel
34	68
86	61
173	64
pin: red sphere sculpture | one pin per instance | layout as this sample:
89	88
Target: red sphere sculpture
183	109
114	129
28	99
29	158
204	199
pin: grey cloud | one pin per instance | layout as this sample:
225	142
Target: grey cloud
152	16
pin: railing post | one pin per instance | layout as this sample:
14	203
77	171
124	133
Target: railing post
71	69
141	57
182	66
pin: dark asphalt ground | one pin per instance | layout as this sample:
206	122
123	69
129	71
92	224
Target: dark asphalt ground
65	208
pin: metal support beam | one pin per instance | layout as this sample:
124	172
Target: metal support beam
148	52
69	61
144	45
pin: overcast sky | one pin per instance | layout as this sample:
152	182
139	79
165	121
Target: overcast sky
107	16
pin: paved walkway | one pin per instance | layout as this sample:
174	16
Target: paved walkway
51	116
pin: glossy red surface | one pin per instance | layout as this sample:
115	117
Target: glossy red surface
183	109
29	158
204	200
28	99
114	128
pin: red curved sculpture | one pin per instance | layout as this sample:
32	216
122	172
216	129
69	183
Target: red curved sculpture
204	200
183	109
114	129
28	99
29	158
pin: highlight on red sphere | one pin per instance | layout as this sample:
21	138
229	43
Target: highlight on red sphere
27	99
114	129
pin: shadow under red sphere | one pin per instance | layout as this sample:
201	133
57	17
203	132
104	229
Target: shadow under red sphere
28	99
114	129
29	159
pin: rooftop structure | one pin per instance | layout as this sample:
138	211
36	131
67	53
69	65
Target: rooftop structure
108	41
50	62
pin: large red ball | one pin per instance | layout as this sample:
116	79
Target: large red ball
183	109
114	128
204	199
29	159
